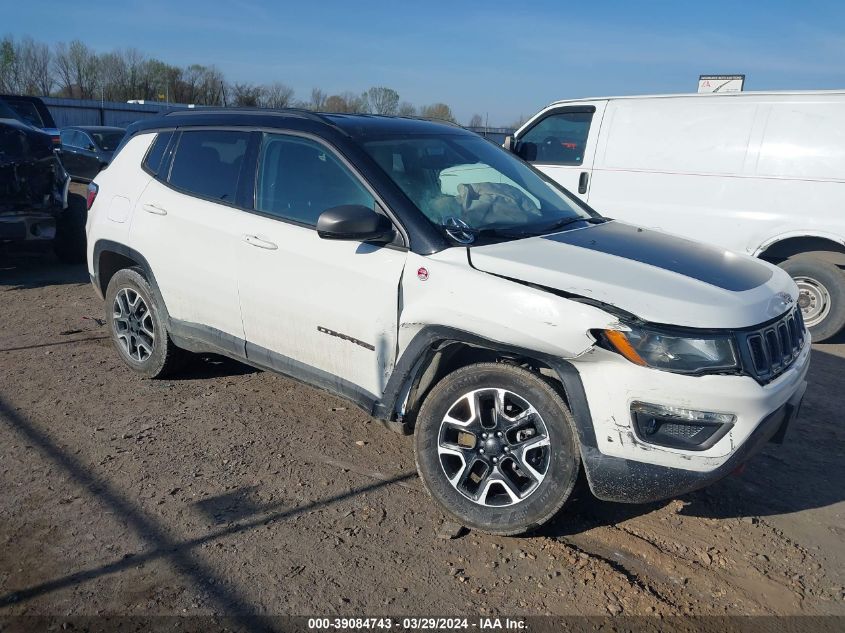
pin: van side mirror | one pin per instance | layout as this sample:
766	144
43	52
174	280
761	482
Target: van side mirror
354	222
527	151
510	144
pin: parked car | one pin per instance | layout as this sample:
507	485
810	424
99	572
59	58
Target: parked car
87	150
754	172
34	190
447	288
33	111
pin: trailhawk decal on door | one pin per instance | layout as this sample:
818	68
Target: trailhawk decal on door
345	337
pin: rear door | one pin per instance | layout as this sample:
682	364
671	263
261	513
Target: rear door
89	162
561	142
187	226
70	152
325	310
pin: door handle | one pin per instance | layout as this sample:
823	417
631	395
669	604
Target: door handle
254	240
583	180
149	207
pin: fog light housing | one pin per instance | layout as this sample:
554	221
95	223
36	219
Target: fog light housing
676	427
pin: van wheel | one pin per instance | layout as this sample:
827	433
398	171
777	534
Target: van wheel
137	327
69	243
495	446
821	287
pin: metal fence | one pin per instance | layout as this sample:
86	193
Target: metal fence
93	112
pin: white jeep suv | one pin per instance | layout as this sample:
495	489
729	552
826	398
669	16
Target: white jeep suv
449	289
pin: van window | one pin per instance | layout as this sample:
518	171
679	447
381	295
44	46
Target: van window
298	179
560	138
804	140
208	163
689	135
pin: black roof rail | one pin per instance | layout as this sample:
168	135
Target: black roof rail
280	112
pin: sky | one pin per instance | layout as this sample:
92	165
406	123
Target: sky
502	60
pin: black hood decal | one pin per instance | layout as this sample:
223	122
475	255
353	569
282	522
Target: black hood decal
685	257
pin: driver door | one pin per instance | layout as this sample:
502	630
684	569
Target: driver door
561	142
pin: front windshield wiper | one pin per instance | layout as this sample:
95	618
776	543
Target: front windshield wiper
465	234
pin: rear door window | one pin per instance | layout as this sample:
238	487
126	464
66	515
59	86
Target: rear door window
207	163
558	139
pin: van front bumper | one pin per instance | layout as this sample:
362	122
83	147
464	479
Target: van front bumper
621	466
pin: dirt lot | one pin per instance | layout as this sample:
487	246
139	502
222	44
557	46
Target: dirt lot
236	491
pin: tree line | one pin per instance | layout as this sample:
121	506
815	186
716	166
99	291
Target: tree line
75	70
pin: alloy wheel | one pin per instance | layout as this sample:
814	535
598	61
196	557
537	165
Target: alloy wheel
133	325
494	447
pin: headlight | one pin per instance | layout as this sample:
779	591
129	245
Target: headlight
670	351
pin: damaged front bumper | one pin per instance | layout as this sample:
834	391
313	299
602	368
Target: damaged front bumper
622	466
33	195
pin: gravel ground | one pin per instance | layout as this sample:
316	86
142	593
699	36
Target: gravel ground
234	491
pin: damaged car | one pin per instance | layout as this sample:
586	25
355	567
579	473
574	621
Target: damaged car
34	190
454	292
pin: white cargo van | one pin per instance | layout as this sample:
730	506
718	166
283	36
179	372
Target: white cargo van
758	173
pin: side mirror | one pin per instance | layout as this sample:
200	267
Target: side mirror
91	148
510	144
354	222
527	151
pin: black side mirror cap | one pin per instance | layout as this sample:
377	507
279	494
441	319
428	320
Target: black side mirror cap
527	151
354	222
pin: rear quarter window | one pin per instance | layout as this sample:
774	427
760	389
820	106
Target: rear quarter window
153	159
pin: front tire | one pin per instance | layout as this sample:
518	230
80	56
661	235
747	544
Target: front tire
821	287
137	326
496	448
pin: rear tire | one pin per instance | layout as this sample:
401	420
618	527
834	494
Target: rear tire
137	326
511	461
822	294
70	241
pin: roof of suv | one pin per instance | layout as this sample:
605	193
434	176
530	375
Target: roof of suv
352	125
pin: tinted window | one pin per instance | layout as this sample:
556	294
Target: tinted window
208	163
107	141
558	138
298	179
28	112
69	138
156	152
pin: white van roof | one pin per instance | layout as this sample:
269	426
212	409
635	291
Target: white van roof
705	95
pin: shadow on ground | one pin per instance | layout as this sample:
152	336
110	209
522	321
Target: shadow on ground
35	266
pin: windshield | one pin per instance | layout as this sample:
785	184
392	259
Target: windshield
464	181
107	141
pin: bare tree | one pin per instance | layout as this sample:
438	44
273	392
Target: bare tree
318	99
381	100
439	111
407	109
246	95
476	121
36	76
76	67
277	95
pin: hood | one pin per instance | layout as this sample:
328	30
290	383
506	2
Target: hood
657	277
